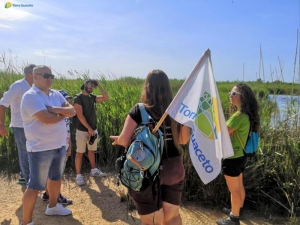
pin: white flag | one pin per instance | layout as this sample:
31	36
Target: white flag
197	105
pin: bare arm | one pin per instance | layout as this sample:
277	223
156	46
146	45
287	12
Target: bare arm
3	130
66	110
69	149
230	130
80	116
184	135
48	118
104	96
125	137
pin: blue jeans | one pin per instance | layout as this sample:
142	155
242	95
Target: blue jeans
46	164
22	151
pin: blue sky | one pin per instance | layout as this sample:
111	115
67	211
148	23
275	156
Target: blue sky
132	37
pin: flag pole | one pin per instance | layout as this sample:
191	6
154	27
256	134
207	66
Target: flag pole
159	122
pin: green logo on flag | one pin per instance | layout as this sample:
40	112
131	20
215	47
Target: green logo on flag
207	119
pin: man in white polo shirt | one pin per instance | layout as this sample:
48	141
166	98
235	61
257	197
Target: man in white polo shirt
12	98
43	111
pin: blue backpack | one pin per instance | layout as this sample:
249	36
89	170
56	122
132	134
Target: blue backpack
251	144
139	167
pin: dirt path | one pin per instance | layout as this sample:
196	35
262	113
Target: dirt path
97	202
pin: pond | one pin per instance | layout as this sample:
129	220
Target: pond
288	108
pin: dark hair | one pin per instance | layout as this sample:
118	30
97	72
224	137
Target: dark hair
249	105
157	96
93	81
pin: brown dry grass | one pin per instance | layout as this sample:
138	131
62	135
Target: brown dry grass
97	202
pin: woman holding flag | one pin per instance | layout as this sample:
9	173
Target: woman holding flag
244	116
155	208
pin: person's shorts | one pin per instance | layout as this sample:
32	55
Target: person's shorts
82	140
234	167
172	182
45	164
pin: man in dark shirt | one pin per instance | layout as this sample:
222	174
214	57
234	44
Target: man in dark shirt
86	126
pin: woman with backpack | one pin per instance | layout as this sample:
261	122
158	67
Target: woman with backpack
159	204
243	119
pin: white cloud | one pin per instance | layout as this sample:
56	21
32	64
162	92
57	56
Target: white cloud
50	28
5	26
14	14
54	54
37	12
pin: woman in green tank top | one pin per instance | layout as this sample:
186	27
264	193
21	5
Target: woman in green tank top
243	116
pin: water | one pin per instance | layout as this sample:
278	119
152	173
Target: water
288	106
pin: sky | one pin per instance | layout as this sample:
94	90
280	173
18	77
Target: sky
248	39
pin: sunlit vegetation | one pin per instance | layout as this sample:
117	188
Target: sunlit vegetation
272	178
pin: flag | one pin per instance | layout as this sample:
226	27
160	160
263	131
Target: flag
197	105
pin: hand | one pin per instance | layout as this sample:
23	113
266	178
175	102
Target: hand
51	109
91	132
98	83
3	130
68	152
115	138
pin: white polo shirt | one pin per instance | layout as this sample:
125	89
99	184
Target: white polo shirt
40	136
13	98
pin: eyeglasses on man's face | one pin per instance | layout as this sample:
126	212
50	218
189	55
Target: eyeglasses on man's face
234	93
47	75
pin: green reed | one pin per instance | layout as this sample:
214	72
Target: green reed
271	178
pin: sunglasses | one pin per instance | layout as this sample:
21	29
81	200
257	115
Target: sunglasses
47	75
234	93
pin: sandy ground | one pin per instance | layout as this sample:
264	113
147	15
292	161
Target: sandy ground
97	202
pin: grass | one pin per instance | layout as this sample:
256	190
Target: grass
272	178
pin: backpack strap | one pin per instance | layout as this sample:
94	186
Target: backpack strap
145	115
146	119
243	146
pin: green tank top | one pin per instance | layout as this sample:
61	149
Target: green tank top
240	123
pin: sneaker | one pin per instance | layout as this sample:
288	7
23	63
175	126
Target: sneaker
227	221
79	180
227	212
31	223
45	197
21	181
63	200
98	173
57	210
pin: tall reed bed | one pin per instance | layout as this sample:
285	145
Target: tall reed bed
272	178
